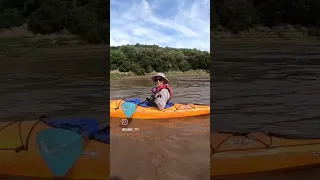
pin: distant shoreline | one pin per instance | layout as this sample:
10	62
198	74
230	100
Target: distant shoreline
18	45
275	34
117	74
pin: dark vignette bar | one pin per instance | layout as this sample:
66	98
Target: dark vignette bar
265	118
54	89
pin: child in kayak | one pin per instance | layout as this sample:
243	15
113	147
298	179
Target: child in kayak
161	93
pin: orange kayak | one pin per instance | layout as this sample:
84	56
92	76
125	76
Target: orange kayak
93	164
175	111
240	155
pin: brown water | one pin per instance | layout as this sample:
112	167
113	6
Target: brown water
62	82
274	88
56	82
162	149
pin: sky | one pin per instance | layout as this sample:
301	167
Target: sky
172	23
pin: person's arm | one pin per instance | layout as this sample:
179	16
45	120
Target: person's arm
162	99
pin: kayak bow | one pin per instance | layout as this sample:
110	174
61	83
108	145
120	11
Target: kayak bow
260	152
20	156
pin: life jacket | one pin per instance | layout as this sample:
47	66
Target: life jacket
165	86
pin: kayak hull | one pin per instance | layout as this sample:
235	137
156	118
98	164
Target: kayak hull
93	164
176	111
239	155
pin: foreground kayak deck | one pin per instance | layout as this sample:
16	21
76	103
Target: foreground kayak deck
176	111
239	155
29	163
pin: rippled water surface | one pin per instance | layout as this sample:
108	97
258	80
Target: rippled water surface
56	82
162	149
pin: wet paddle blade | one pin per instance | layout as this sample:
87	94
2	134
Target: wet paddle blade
60	149
128	108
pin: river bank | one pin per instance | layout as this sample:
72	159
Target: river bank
275	34
21	47
264	50
18	41
117	74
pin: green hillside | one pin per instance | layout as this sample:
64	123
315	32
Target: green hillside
84	18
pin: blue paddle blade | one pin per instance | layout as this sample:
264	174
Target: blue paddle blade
128	108
60	149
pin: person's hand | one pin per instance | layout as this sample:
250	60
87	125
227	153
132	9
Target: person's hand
154	90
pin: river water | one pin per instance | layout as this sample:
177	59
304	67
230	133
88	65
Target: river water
56	82
257	89
275	88
162	149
